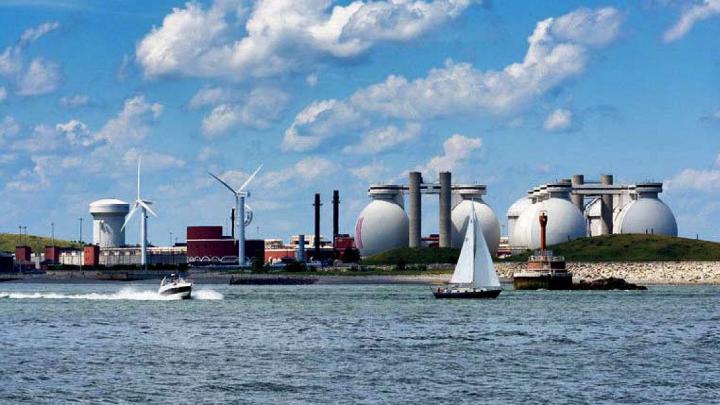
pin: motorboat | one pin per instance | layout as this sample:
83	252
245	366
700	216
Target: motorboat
475	275
175	286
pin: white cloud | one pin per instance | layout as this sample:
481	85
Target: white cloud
456	149
42	77
42	139
9	127
3	94
558	49
280	35
311	80
76	132
690	16
76	101
697	180
305	170
559	120
206	153
131	124
370	173
151	161
383	139
261	107
209	96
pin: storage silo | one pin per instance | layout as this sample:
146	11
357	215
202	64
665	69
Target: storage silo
472	195
108	218
514	212
647	214
383	224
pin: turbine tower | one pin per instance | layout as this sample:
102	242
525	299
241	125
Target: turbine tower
144	206
242	219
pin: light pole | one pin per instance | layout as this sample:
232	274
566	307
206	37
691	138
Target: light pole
52	232
171	239
81	221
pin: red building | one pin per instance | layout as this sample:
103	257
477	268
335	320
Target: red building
91	255
207	245
52	254
22	254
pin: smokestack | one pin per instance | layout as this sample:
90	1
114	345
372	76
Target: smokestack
336	215
301	248
415	208
606	207
577	199
445	202
232	222
317	205
543	231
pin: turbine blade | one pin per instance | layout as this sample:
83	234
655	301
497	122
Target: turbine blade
129	216
222	182
138	182
250	178
147	207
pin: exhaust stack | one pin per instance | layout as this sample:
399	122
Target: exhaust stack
336	215
317	205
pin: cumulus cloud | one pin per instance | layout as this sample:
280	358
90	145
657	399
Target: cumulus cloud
383	139
131	124
456	150
276	36
558	50
41	76
690	16
559	120
257	110
42	139
76	101
370	173
76	132
703	180
152	160
9	127
209	96
305	170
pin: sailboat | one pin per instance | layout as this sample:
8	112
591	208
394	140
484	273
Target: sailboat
474	275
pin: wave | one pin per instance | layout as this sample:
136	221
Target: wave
128	294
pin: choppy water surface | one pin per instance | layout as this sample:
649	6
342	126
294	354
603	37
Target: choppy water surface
322	343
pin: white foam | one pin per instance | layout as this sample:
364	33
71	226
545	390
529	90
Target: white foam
127	293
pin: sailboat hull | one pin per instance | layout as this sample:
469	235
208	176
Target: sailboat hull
468	293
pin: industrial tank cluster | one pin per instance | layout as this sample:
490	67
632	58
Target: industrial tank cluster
384	224
576	208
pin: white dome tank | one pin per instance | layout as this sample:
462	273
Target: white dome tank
382	224
488	223
108	218
565	221
514	212
647	215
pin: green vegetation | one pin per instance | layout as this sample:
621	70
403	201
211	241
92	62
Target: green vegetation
405	256
8	241
633	248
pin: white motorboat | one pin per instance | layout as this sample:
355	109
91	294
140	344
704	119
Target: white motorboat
176	286
475	275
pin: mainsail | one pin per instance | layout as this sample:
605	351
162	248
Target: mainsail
475	265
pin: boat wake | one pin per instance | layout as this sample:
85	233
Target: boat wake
127	294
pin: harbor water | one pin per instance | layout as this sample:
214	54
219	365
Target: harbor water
356	344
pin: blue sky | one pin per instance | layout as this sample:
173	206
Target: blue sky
340	95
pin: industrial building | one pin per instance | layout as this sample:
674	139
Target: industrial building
206	245
384	223
577	208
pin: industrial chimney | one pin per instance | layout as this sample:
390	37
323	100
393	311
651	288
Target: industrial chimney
336	215
317	205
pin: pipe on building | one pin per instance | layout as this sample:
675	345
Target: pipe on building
606	207
317	205
415	209
578	199
445	203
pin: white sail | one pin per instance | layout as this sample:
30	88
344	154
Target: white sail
463	273
484	274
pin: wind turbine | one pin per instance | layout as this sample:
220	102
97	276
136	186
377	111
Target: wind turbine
144	206
241	222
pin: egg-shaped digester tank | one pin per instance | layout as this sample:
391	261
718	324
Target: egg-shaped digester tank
383	224
472	196
647	214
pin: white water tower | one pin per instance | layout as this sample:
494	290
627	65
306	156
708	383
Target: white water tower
108	218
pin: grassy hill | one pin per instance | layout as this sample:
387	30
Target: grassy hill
634	248
8	241
414	256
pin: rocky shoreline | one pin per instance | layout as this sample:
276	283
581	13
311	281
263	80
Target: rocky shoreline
636	272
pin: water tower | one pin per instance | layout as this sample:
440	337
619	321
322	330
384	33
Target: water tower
108	218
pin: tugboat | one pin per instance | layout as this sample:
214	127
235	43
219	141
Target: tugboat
474	275
544	270
176	286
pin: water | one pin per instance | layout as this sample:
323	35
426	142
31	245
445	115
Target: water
356	344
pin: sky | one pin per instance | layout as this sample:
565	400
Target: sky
339	95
